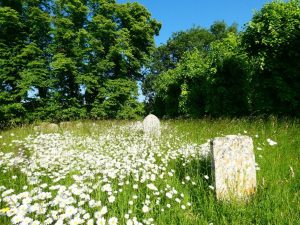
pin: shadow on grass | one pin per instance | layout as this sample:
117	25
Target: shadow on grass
204	203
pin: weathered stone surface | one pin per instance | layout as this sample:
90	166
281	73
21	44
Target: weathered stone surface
151	125
233	164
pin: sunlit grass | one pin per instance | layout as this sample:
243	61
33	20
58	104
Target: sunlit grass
277	200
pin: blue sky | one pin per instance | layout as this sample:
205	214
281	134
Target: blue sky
180	15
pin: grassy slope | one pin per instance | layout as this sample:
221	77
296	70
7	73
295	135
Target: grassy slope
277	200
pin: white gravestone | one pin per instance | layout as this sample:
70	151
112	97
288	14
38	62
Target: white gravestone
234	170
151	125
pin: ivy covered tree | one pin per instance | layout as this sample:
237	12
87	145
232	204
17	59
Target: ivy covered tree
214	83
175	55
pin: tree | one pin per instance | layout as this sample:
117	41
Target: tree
24	60
68	50
214	83
220	29
121	40
272	39
58	57
12	40
181	91
228	92
168	56
117	99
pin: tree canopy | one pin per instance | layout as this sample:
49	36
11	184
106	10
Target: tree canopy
222	72
63	60
57	57
272	39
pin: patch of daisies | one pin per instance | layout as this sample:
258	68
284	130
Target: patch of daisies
120	177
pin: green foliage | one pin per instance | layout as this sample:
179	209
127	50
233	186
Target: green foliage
228	83
276	201
57	57
117	99
272	38
11	42
225	73
214	82
169	57
62	60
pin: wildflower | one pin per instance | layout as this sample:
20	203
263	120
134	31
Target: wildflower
206	177
59	222
178	200
145	209
135	197
70	210
48	221
153	177
101	221
169	195
271	142
113	221
76	221
36	222
103	211
106	188
86	216
17	219
28	220
90	222
111	199
152	187
4	210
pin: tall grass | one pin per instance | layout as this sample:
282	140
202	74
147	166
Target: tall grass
277	200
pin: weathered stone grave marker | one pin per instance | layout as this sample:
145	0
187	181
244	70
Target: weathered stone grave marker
151	125
233	164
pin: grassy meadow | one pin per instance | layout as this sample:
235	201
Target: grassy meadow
107	172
